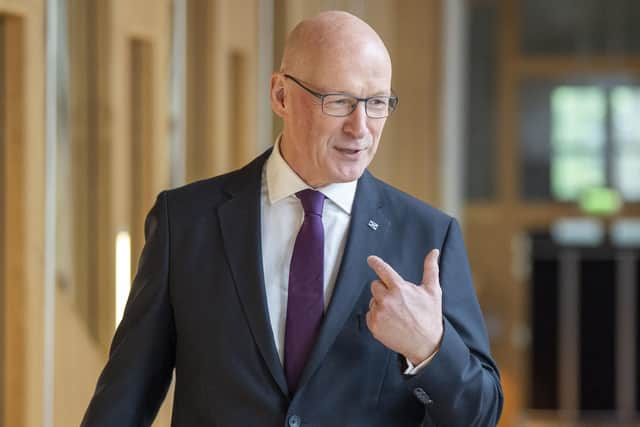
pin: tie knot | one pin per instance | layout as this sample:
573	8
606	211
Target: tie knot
312	201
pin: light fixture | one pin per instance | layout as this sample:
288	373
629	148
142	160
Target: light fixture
123	272
585	232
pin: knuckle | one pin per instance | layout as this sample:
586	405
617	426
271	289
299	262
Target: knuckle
376	286
371	321
382	304
397	290
437	290
433	288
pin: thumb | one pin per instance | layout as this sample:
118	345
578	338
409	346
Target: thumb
430	275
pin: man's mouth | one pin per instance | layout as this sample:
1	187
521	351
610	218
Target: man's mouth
349	150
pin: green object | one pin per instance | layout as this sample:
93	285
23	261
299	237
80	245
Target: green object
600	201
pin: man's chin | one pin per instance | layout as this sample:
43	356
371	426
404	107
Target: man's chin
348	175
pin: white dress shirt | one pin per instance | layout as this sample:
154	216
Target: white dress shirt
281	218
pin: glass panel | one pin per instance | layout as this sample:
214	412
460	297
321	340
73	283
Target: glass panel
577	139
571	174
578	114
627	174
625	105
580	27
625	111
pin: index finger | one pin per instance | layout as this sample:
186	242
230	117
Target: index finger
385	272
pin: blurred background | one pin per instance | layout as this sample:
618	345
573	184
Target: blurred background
520	117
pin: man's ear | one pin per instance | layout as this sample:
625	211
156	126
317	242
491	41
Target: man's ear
277	94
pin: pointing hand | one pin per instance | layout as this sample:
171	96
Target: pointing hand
404	317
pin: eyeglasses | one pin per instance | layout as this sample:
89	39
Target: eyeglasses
342	104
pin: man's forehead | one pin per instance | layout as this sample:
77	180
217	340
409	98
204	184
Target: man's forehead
349	73
350	83
357	65
334	42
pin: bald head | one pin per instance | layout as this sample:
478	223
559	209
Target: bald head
333	41
338	54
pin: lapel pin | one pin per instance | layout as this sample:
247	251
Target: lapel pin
373	225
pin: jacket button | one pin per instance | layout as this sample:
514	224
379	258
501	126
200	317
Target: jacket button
422	396
294	421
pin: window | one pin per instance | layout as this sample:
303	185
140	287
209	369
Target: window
625	107
577	140
579	135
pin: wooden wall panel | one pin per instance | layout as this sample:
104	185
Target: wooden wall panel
87	166
138	59
119	131
13	280
222	59
3	281
142	147
200	78
237	103
142	23
409	156
23	176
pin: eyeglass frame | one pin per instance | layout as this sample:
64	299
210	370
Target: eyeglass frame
393	100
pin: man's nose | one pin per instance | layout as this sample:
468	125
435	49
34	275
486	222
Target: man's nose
356	122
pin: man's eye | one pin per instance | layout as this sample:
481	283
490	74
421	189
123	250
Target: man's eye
378	102
340	101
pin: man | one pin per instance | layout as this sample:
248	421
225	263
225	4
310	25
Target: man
295	291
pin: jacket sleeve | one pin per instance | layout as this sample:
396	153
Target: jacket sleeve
138	372
461	384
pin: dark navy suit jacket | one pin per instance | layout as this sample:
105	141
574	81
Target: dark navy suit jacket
198	304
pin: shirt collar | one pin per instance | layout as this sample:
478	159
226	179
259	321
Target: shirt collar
283	182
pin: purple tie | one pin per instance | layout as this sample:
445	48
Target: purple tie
305	305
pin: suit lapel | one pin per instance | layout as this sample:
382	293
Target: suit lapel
240	225
367	230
